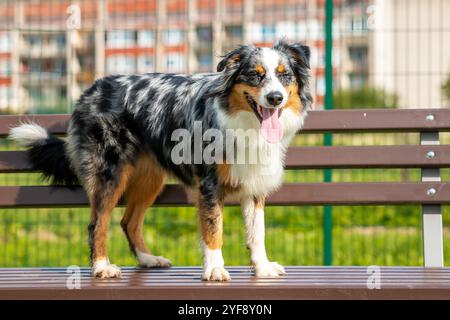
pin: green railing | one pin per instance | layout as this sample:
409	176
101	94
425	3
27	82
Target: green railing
328	137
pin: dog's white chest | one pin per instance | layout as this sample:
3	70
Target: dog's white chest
260	178
265	175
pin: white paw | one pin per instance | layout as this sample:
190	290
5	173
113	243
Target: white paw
104	270
269	269
215	274
150	261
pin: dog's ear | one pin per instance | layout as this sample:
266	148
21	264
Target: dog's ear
302	52
229	66
233	59
299	53
299	58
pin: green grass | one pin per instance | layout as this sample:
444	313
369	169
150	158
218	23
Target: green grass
362	235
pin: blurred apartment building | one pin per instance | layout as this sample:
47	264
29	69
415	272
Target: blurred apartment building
50	50
411	43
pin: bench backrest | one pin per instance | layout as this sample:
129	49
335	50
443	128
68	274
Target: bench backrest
428	155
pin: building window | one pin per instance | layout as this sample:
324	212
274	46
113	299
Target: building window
120	64
286	29
120	39
60	40
5	67
145	64
5	42
173	37
315	57
358	56
146	39
35	66
358	25
5	96
234	37
174	62
204	34
59	67
320	86
205	62
234	33
311	29
268	33
35	40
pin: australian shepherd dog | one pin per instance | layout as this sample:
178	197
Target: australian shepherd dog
121	143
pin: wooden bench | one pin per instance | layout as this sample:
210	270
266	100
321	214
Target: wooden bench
430	281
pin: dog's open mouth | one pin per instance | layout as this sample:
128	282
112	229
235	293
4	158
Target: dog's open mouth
271	128
260	111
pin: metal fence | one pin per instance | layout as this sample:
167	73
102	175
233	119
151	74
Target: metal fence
365	54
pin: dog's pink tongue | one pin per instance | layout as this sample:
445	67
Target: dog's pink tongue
270	127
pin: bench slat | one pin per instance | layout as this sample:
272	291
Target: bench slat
14	161
184	283
315	158
378	120
289	194
367	157
370	120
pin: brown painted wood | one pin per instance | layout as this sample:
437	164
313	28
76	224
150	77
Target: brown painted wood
369	120
315	158
184	283
43	196
367	157
14	161
289	194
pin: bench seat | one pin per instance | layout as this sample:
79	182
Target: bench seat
432	282
184	283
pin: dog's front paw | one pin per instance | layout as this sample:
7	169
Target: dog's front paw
269	269
149	261
215	274
104	270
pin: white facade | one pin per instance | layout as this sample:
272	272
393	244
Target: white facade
411	50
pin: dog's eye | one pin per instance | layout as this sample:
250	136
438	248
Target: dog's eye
285	75
256	75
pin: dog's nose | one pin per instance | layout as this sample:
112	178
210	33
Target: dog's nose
274	98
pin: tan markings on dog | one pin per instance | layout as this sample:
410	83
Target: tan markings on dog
281	68
211	225
143	188
260	69
294	103
228	185
224	173
233	60
259	202
100	216
237	100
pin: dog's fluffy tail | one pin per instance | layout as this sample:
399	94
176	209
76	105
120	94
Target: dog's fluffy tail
46	153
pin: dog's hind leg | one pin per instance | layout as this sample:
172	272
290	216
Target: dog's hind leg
104	193
143	188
